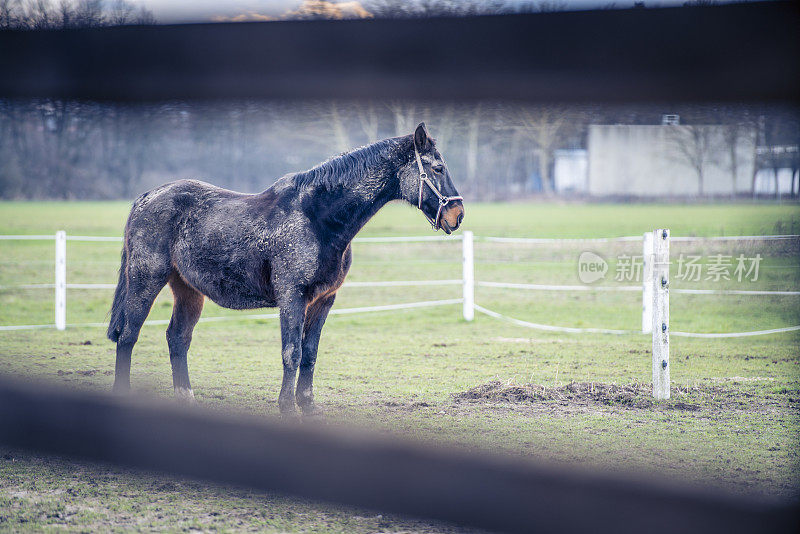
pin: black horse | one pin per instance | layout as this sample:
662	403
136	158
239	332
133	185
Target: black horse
288	246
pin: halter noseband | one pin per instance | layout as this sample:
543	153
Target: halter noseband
443	200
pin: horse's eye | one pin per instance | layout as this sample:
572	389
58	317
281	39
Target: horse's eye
438	168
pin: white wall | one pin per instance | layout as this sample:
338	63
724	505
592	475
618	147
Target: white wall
571	170
649	161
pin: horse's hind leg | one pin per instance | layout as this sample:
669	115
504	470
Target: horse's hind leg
141	293
185	312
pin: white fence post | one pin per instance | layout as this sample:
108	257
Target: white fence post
61	280
660	320
468	275
647	282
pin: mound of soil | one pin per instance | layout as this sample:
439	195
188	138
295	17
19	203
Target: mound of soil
636	395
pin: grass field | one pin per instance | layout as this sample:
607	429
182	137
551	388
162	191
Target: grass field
425	374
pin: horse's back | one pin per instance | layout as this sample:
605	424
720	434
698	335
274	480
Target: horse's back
213	237
178	196
162	209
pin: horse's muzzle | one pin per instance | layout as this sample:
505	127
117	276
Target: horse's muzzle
452	216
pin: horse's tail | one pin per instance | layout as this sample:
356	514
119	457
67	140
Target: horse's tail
117	321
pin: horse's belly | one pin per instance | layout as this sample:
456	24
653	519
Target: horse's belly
234	287
243	302
236	295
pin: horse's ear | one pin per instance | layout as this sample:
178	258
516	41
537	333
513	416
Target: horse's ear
421	138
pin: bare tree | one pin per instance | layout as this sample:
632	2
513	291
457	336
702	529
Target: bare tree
433	8
66	14
89	13
543	6
120	13
472	146
369	120
444	125
404	115
544	126
778	139
46	14
9	14
693	146
37	14
144	17
339	129
732	132
736	130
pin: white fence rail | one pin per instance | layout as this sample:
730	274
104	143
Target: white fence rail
467	281
655	290
649	312
60	285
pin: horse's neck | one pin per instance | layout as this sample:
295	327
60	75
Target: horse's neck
346	211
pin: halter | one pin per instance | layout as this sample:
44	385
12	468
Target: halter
443	200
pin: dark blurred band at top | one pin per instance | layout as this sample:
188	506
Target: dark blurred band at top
740	52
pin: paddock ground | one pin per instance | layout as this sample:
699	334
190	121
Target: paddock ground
425	374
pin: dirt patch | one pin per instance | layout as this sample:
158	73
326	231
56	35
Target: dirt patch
580	393
636	395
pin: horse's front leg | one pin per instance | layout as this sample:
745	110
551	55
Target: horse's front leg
315	320
293	313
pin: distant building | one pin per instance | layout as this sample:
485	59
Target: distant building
669	160
674	160
571	170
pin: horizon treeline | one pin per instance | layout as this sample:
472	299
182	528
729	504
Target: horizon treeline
57	149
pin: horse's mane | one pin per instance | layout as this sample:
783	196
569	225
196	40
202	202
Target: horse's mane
347	168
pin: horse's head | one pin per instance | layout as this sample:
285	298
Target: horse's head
425	182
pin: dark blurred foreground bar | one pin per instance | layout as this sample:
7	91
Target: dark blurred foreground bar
735	52
493	492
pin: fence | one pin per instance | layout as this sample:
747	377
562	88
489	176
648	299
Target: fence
61	285
654	290
637	57
655	297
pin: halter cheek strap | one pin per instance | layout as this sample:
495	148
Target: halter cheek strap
443	200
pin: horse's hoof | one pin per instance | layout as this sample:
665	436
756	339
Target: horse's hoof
312	412
290	415
120	390
288	410
185	396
